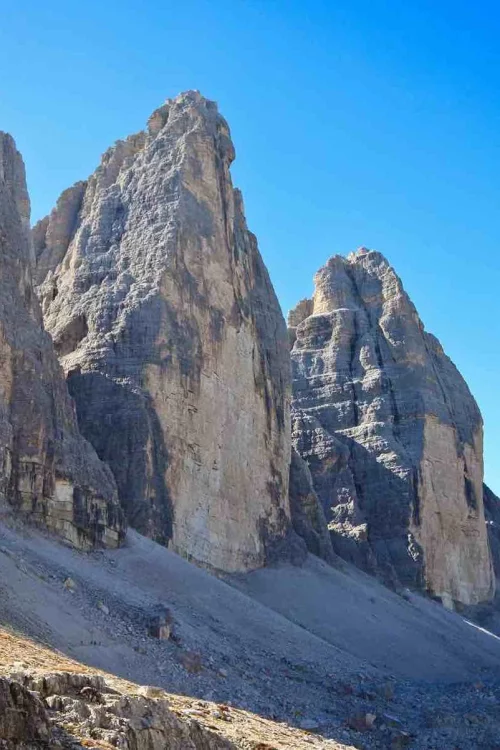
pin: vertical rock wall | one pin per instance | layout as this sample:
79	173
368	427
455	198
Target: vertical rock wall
308	518
492	514
47	470
391	433
169	330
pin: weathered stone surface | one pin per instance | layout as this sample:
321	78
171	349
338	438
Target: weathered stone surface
307	514
391	433
167	325
492	514
23	719
47	470
84	710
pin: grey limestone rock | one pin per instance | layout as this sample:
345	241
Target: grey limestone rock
391	433
82	710
492	514
23	719
307	514
47	470
172	338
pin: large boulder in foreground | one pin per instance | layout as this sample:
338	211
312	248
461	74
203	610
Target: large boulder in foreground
391	433
48	472
169	330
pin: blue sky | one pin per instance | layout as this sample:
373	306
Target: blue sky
355	123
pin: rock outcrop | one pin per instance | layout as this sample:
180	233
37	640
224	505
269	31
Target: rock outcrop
71	710
47	470
492	514
391	433
24	722
308	518
169	330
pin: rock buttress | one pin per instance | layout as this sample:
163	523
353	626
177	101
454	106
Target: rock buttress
391	433
172	338
48	472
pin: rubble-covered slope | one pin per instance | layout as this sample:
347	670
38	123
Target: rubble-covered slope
47	470
327	652
391	433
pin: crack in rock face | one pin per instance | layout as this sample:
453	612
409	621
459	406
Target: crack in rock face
48	472
172	338
391	433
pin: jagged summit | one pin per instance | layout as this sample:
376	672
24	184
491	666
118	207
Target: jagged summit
168	327
391	432
306	306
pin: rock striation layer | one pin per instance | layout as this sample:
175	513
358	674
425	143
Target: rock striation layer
391	433
47	470
308	518
171	336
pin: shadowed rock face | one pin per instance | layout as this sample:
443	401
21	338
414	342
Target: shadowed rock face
47	470
391	433
308	518
492	514
24	722
172	338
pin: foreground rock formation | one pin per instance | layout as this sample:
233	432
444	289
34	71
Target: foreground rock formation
67	709
47	470
49	701
169	330
391	433
23	718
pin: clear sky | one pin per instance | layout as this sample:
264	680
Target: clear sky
356	122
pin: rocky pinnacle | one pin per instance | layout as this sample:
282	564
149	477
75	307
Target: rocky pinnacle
172	338
391	433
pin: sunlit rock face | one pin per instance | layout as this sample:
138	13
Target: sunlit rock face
169	330
391	433
48	472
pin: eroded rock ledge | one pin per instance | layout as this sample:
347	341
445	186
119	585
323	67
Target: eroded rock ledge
391	433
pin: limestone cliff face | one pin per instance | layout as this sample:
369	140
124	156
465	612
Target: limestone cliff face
492	513
47	470
308	518
167	325
391	433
